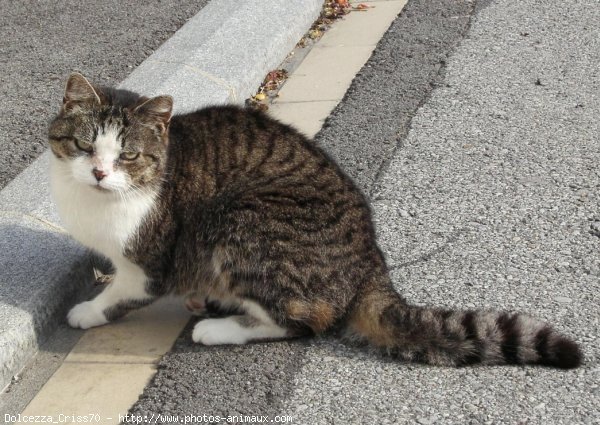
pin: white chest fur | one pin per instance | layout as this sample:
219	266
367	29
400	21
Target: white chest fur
100	220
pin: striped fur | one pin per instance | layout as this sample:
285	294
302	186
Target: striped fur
250	215
457	338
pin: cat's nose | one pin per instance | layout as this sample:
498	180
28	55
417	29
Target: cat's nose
99	174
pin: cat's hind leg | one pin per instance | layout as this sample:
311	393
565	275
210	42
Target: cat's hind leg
254	325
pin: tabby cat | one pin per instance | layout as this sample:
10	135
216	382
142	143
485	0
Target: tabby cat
232	208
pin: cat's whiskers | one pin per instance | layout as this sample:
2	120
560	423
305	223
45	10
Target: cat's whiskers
134	189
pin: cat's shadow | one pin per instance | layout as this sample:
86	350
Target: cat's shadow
271	371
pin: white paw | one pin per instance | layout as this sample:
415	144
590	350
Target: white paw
86	315
219	331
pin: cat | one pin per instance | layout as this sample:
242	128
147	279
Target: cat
229	207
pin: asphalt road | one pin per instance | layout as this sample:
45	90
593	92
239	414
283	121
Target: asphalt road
43	41
474	129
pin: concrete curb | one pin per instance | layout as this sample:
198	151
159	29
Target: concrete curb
220	56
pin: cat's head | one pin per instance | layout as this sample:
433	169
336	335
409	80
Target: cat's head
112	140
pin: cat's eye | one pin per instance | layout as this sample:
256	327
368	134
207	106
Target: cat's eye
84	146
129	156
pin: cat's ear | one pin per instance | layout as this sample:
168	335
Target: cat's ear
156	110
79	93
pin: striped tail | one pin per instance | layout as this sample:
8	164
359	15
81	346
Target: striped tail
457	338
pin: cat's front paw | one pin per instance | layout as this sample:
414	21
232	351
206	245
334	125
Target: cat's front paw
86	315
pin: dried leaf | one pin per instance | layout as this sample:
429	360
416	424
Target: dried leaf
101	278
314	34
